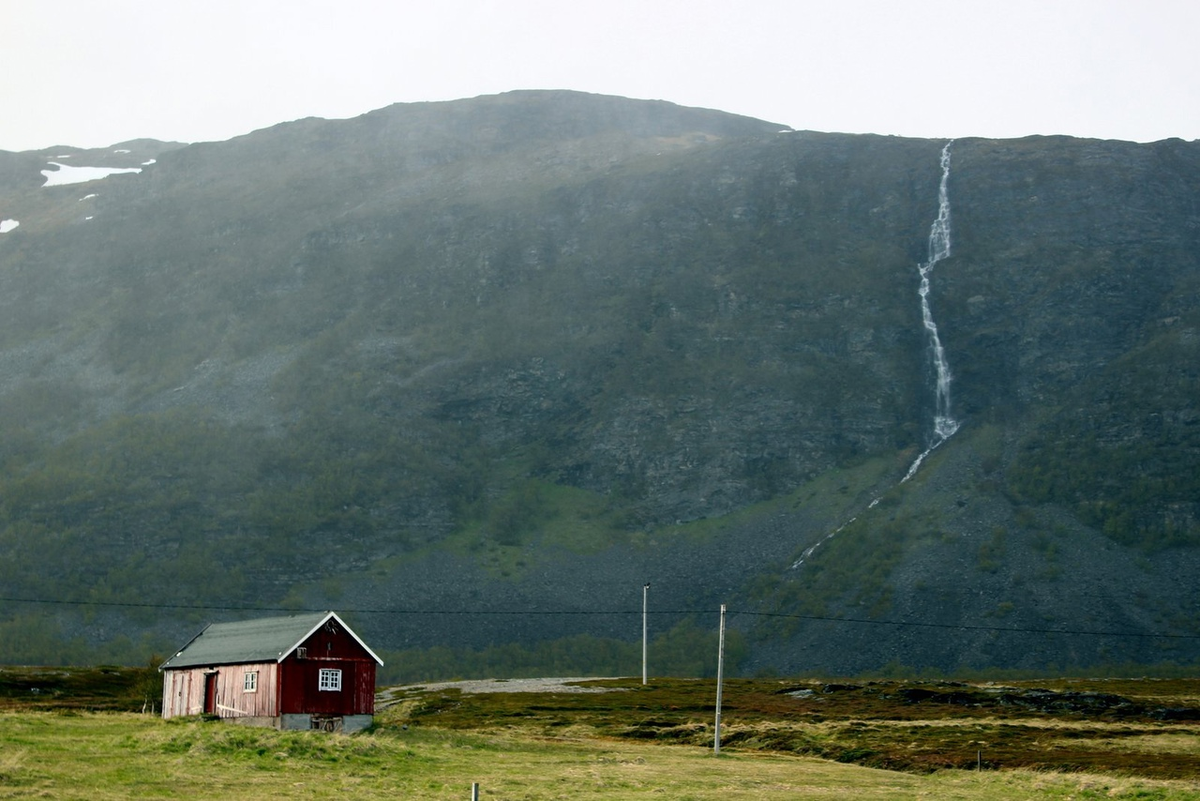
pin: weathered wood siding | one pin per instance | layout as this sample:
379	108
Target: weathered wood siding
183	691
329	647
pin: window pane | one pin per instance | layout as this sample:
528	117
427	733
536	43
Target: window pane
330	680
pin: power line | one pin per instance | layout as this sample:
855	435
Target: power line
153	606
969	627
614	612
298	610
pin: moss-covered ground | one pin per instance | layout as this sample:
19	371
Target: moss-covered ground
1146	728
795	739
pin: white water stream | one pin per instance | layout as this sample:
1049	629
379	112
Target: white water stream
944	424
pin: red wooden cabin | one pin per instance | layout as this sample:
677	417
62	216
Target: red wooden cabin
297	672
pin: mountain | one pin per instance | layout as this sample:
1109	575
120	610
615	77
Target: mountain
481	369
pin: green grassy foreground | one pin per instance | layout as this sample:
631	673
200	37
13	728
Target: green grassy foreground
77	738
121	755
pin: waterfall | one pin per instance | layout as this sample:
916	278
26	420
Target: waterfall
944	425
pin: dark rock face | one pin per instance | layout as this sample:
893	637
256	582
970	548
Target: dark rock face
516	352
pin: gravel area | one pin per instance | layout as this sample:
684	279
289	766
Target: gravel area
391	695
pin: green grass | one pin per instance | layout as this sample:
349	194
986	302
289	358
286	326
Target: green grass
1109	726
106	688
117	756
779	739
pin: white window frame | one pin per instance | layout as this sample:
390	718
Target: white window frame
250	681
330	680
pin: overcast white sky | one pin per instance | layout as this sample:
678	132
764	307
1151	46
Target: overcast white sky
92	73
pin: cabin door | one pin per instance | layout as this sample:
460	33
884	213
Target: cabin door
210	693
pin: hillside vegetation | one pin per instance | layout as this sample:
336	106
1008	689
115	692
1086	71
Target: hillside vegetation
474	372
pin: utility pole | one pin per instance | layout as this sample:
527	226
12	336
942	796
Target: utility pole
645	594
720	676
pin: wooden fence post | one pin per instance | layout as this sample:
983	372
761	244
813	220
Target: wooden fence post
720	676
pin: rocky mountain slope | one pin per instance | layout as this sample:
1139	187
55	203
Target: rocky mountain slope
481	369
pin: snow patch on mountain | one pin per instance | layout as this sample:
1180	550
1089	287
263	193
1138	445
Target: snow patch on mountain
77	175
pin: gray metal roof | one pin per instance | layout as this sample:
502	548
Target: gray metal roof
267	639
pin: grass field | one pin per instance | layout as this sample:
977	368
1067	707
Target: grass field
780	740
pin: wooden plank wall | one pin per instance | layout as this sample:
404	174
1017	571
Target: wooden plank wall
331	646
183	691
